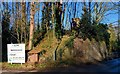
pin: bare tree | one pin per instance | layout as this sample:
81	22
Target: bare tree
53	18
32	13
17	22
101	10
23	25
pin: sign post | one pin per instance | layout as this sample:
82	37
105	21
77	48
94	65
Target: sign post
16	53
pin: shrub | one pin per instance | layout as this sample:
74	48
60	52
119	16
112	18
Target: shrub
69	43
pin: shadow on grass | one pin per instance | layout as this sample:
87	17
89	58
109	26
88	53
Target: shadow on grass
72	66
66	66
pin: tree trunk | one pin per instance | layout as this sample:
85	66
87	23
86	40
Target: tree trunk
53	21
75	9
24	20
17	22
59	6
32	12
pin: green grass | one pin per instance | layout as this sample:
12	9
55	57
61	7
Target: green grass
16	66
38	66
6	65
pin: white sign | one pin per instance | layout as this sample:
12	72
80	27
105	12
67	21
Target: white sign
16	53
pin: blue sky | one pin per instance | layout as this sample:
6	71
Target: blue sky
112	18
108	19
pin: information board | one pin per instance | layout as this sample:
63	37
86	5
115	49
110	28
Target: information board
16	53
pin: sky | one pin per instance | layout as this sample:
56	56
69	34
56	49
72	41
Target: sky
59	0
108	19
111	18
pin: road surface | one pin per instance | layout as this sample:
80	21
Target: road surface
106	66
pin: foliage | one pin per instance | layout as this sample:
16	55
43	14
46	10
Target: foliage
46	16
58	28
112	39
69	43
117	45
91	30
5	34
38	36
102	33
86	28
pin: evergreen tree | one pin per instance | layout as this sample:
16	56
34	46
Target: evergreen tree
5	33
86	28
58	25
